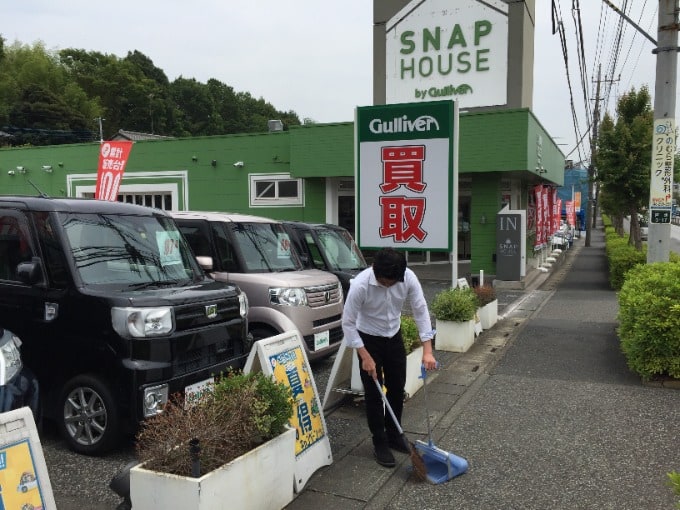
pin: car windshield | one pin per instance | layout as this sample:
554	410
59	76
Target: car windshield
340	250
265	247
128	250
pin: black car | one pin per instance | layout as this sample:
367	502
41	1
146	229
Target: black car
114	313
328	247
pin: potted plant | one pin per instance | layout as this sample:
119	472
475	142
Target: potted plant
414	354
488	305
200	453
454	310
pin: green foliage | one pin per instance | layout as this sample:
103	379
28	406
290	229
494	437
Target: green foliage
271	400
52	97
409	333
455	304
623	155
621	256
674	482
241	412
649	319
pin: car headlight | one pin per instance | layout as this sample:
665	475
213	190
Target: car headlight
289	296
155	397
133	322
10	359
243	304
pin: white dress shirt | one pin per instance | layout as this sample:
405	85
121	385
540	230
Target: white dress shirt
375	309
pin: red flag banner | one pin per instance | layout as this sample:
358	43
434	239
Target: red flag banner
112	159
571	215
540	239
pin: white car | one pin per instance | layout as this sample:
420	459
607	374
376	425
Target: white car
644	227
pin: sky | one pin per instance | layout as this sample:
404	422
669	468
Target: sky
315	57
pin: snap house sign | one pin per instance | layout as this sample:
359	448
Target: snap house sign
438	49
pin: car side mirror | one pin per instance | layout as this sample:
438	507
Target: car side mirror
29	273
205	262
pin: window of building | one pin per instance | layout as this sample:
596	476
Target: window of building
267	190
157	200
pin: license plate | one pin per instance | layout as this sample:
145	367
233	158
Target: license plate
194	393
322	340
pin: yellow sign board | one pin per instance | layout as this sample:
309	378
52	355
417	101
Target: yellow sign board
283	357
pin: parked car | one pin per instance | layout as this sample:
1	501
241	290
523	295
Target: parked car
18	385
113	311
327	247
255	253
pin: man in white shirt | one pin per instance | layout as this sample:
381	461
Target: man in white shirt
371	323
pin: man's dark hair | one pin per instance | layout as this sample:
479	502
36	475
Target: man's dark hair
389	263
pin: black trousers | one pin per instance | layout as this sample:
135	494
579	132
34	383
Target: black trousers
390	360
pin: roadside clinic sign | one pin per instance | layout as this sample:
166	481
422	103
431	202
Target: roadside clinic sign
405	166
438	49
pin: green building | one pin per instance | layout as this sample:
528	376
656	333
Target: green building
306	173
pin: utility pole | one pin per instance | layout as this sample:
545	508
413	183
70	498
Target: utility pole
590	212
101	130
663	141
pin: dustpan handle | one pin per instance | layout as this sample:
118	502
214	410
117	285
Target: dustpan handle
423	376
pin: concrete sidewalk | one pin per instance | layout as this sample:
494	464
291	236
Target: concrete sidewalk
543	407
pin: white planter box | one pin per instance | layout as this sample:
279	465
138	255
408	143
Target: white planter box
454	336
413	381
414	360
262	478
488	314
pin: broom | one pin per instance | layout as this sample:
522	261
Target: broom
419	469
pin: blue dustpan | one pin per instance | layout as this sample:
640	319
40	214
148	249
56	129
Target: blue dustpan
440	465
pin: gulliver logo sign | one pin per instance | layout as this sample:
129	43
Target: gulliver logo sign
404	175
436	50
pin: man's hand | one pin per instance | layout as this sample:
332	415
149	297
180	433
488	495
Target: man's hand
367	363
429	362
428	358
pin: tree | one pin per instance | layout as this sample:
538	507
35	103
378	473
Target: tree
56	97
39	104
624	158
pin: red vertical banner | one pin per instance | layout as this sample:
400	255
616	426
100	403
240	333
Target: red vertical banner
538	193
545	195
556	210
571	214
112	159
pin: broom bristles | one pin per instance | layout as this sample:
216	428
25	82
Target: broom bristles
419	469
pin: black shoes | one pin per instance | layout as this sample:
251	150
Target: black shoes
383	455
398	444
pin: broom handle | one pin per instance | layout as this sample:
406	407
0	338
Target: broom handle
389	407
423	376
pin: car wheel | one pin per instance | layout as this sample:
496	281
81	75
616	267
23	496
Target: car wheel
89	421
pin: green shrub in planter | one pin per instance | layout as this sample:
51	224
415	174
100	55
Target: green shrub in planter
649	319
241	412
456	304
409	333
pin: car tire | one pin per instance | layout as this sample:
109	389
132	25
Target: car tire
89	418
